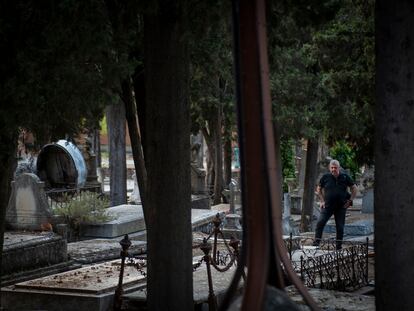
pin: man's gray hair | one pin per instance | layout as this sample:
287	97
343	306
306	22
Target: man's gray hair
334	162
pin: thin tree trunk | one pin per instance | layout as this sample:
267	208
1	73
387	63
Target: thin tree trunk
167	156
96	146
115	116
218	158
309	188
209	159
139	90
135	136
394	149
227	155
8	164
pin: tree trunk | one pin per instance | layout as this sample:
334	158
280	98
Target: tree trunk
309	187
115	116
139	90
227	155
209	159
170	276
394	149
7	167
135	136
96	147
218	158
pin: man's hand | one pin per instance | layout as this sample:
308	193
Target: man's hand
348	203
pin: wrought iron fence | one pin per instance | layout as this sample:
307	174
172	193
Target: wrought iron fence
325	267
58	197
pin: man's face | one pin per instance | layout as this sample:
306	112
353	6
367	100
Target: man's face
334	169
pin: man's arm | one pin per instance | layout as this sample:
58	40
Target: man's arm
319	191
354	191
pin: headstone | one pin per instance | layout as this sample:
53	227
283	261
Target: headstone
368	201
196	142
28	208
296	204
135	195
90	161
198	174
198	180
287	222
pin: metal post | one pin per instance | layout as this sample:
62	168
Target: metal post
217	223
125	244
232	187
206	248
366	256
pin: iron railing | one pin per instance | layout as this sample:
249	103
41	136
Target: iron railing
325	267
60	197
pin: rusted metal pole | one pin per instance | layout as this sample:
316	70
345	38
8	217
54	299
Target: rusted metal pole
260	167
217	223
206	248
125	244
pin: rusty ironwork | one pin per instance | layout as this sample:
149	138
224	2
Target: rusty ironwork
206	248
325	267
60	197
125	244
260	164
221	261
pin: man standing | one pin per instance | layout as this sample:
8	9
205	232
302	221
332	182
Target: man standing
334	200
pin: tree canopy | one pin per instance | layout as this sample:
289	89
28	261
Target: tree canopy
322	70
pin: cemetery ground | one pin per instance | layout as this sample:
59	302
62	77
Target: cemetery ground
47	271
90	276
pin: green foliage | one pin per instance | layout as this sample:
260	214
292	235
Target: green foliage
87	208
346	155
63	63
288	161
322	65
211	69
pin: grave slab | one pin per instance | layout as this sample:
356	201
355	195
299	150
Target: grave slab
89	288
129	218
360	227
136	300
29	250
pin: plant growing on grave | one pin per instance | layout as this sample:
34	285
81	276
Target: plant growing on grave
90	208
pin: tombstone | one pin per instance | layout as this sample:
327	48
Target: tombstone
368	201
196	142
90	162
287	222
135	195
367	180
28	208
198	174
296	204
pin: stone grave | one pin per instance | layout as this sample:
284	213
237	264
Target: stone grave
356	224
89	288
28	208
130	218
26	253
136	300
127	218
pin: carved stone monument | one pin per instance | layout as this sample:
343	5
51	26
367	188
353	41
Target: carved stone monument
28	208
198	174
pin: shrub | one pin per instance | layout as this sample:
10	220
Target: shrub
345	154
87	208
